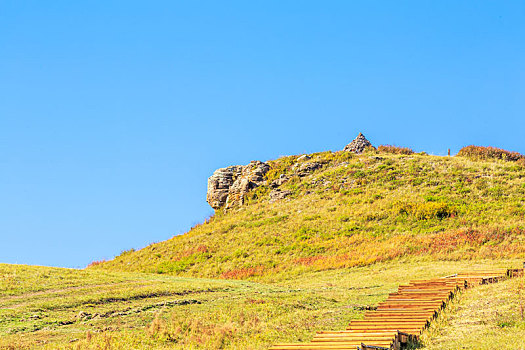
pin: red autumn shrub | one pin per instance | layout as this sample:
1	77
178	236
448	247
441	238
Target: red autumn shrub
238	274
480	152
95	263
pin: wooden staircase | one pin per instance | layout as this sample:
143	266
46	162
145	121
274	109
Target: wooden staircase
401	318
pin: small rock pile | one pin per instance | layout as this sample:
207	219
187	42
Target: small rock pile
358	145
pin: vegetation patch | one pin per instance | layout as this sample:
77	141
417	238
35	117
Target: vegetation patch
243	273
395	150
426	210
485	153
183	263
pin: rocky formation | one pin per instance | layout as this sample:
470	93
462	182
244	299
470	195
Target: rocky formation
359	144
227	186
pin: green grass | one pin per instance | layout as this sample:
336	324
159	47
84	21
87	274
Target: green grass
114	310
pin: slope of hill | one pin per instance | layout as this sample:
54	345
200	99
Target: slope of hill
345	210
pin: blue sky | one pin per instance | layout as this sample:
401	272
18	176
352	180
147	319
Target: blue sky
113	114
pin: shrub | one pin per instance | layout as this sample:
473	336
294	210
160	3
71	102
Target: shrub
95	263
480	152
173	266
426	210
126	252
305	233
308	261
344	218
243	272
279	167
395	149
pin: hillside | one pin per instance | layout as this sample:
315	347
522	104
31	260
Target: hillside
342	209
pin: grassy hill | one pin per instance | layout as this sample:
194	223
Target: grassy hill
355	210
353	228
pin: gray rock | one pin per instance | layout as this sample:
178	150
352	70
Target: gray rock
358	145
278	182
306	168
304	157
227	186
277	194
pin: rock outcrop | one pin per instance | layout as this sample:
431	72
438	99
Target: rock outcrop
358	145
227	186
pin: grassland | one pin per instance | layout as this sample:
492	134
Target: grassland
354	211
51	308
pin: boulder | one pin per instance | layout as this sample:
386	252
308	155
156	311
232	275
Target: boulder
278	182
358	145
278	194
304	157
227	186
307	168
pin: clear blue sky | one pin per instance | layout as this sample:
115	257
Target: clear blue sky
113	114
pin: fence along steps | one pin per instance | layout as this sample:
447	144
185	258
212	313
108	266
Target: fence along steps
402	317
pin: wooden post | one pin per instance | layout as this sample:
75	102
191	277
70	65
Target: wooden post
449	152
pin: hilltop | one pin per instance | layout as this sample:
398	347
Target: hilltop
343	209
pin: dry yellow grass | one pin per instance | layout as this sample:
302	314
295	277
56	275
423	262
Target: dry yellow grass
485	317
